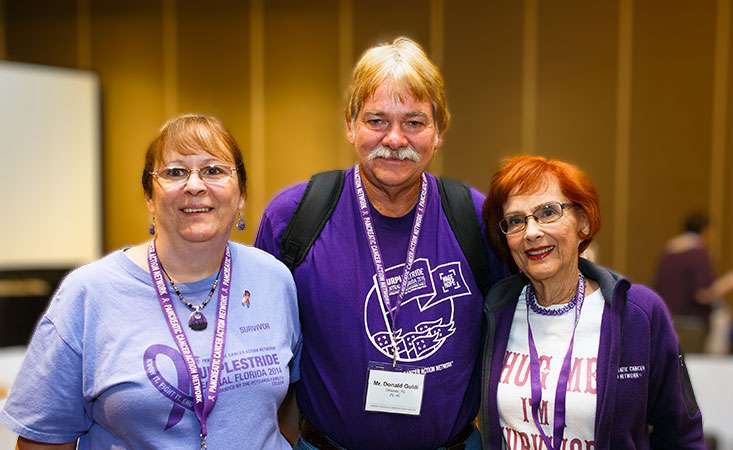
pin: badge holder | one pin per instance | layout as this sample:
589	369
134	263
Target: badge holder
394	388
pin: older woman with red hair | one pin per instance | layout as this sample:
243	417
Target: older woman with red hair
576	357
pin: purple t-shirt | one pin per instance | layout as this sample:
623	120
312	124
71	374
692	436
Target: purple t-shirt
344	323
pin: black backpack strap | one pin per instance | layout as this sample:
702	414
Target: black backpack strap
314	210
459	209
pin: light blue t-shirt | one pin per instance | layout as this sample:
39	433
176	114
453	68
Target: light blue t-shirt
102	365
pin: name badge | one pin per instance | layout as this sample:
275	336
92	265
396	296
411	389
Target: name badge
393	390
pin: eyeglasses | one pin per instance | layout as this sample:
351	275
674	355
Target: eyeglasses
214	174
547	213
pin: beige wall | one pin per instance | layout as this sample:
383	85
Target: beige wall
635	92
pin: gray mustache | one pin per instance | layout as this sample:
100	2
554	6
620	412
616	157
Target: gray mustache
404	153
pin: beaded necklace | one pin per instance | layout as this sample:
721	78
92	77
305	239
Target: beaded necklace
544	311
197	320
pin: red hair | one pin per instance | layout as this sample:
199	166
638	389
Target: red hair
526	174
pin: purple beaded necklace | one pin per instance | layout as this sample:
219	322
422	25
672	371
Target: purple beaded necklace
197	320
539	309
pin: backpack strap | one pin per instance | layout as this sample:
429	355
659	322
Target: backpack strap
314	210
461	213
323	193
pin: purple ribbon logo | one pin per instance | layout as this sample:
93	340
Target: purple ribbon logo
180	394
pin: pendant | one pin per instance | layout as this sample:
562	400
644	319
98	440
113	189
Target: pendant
197	321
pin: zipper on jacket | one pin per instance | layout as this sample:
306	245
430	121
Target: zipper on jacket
487	362
607	406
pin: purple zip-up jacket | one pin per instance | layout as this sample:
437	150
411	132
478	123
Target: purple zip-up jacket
656	410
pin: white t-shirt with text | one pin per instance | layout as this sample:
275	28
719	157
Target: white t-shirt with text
552	337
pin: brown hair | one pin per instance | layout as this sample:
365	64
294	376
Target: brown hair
190	134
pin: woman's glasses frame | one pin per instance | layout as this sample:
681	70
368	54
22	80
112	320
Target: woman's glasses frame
177	176
545	213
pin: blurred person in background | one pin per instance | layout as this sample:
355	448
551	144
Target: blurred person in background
575	355
684	272
150	347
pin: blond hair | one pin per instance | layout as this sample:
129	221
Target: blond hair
403	61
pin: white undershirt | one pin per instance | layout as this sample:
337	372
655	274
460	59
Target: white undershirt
552	337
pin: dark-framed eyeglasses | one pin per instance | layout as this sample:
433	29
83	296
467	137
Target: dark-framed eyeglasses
546	213
177	176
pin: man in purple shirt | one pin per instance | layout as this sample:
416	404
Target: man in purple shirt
390	309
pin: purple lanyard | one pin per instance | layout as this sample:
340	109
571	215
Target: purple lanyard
366	219
203	401
562	381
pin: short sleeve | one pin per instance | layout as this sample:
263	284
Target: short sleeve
297	336
46	403
295	362
276	217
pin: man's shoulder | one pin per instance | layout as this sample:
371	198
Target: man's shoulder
283	205
278	214
478	200
477	197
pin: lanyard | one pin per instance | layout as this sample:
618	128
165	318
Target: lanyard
366	219
562	381
203	401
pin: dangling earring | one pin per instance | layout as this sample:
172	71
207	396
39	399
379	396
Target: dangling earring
240	223
151	228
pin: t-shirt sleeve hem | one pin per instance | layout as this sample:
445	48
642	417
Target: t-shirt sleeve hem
48	438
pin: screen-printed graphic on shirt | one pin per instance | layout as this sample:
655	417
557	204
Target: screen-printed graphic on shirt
426	314
552	335
239	369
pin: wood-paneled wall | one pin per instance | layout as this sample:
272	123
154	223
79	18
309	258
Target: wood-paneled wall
635	92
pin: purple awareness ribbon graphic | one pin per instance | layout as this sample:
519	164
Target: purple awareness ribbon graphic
562	381
177	394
